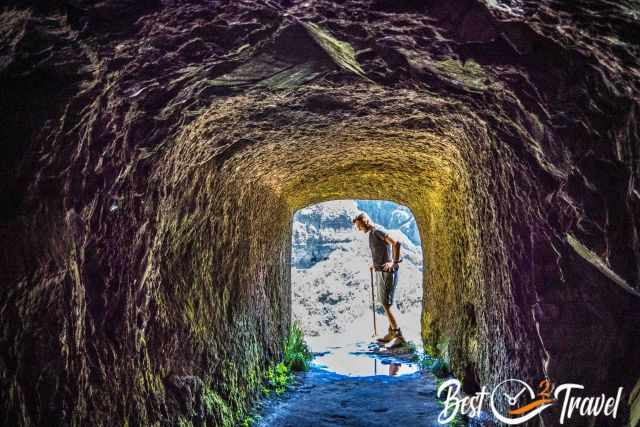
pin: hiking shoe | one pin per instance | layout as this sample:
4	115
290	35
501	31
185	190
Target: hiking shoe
397	340
385	339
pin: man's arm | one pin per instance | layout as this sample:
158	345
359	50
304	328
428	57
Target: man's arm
395	251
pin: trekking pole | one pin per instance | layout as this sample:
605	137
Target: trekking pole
373	306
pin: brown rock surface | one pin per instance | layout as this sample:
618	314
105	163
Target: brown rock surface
154	152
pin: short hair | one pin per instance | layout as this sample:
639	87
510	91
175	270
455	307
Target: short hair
364	218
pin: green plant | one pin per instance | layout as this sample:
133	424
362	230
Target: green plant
278	377
296	358
431	350
438	366
248	420
265	391
296	351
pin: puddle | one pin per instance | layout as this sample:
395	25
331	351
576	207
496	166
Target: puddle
357	361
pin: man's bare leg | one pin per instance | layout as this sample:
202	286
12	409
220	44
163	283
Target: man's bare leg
390	316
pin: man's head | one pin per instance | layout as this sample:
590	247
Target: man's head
362	222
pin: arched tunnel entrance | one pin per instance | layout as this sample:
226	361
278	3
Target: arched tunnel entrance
443	170
333	291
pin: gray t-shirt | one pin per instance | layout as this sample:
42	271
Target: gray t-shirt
380	251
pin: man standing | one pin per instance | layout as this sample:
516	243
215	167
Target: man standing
385	267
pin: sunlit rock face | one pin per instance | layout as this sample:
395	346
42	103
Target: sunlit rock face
319	230
154	153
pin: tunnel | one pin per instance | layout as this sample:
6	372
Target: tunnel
157	151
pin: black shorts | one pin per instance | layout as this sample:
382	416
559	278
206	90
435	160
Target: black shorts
385	284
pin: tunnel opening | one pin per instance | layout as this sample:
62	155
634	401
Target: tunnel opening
332	298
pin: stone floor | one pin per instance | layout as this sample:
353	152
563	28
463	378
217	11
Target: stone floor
352	386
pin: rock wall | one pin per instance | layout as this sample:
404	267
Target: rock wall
155	153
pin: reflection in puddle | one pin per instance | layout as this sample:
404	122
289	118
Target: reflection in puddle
354	361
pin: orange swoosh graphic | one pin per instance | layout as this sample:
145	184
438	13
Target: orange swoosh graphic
530	406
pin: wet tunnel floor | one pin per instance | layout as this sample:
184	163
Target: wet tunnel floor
351	386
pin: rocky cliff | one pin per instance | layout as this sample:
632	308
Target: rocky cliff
153	154
392	216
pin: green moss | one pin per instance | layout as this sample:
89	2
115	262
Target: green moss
248	421
471	74
239	385
431	361
341	52
438	367
217	408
